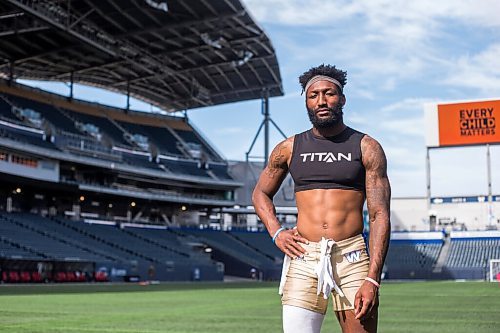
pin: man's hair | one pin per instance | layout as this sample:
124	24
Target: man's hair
325	70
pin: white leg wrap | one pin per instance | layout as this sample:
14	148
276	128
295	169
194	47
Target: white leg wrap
299	320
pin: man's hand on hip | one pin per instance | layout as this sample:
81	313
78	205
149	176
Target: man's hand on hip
288	242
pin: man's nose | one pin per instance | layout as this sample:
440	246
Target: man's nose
321	99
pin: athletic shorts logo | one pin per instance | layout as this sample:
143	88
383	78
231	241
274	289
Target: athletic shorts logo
353	256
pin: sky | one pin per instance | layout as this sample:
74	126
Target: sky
399	55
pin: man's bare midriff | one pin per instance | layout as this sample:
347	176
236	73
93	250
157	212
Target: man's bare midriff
330	213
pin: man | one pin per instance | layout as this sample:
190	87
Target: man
335	168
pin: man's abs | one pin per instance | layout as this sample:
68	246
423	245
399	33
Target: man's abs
330	213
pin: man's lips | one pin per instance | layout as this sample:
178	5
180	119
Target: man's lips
323	112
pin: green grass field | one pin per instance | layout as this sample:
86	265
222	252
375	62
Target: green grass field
418	307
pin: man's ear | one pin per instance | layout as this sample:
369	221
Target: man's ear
342	100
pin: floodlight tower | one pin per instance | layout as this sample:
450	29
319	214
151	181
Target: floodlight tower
265	123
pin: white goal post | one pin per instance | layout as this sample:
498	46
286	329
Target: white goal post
494	270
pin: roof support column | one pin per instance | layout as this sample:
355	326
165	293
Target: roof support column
11	72
265	112
71	81
128	95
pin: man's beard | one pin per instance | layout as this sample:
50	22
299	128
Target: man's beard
332	120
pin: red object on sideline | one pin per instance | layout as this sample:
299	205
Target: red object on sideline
36	277
60	277
25	276
13	276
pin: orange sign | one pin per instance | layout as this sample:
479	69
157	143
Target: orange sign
469	123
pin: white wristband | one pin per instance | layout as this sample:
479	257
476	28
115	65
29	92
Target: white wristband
375	283
277	233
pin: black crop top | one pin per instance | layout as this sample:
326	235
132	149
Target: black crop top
328	163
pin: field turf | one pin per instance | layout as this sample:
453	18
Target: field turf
418	307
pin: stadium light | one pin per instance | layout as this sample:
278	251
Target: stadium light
245	56
132	204
18	190
183	208
82	198
110	205
215	43
208	250
160	5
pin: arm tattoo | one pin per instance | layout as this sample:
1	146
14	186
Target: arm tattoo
277	161
378	195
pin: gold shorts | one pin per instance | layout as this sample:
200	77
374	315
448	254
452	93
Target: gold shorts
349	267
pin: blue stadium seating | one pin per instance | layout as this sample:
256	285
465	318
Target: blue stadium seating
160	137
190	136
49	112
26	137
472	252
105	126
260	241
165	140
28	236
185	167
5	111
10	249
139	160
228	246
50	244
413	254
220	170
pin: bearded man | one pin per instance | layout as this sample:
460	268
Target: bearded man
335	169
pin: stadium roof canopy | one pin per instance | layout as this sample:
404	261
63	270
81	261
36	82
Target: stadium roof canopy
173	54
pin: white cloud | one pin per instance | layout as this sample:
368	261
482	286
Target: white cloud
405	105
480	71
391	40
356	118
405	127
381	13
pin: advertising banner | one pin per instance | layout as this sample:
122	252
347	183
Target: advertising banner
459	124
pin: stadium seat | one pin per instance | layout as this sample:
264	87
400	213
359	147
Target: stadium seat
36	277
101	276
70	277
60	277
80	276
25	276
13	276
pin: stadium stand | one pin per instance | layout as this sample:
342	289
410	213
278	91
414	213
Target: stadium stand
470	253
193	168
259	241
64	159
47	112
473	252
413	259
220	170
239	258
52	245
415	255
33	237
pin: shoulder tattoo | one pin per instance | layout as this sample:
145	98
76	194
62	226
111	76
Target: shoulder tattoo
277	160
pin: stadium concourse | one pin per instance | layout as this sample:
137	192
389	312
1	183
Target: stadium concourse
95	193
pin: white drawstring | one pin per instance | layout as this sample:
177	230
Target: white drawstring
284	272
324	270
